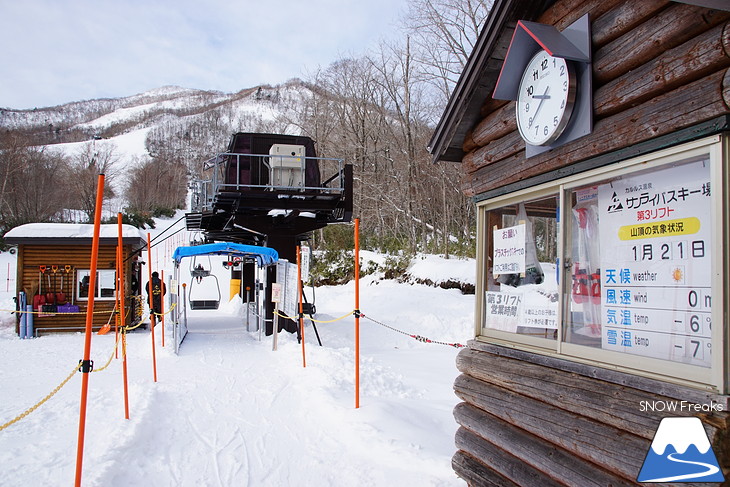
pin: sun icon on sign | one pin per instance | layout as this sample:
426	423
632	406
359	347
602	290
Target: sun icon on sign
678	274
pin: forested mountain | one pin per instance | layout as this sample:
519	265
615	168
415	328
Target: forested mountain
377	112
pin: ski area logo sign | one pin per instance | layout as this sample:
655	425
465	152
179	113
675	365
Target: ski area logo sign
680	452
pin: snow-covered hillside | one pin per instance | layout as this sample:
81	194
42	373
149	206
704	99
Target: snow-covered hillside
121	126
146	109
228	410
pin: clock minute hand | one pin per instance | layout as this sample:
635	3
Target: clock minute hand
542	98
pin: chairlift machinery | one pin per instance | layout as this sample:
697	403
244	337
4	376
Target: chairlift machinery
269	190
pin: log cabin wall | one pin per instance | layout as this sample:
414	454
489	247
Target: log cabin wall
659	68
530	419
661	74
78	256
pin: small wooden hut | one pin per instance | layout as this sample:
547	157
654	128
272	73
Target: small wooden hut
53	263
593	137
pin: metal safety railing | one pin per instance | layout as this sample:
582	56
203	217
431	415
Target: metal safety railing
236	172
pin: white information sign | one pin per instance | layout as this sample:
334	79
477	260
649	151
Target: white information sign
276	292
539	316
656	268
286	276
503	310
508	311
304	259
509	250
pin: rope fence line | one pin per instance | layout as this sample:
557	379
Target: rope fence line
76	369
125	329
415	337
42	401
282	315
360	314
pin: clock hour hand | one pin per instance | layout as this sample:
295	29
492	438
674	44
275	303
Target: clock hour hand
542	98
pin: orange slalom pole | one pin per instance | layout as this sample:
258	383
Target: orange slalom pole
152	313
357	313
116	299
86	362
301	309
162	307
123	316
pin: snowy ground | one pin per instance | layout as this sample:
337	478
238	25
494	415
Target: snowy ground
230	411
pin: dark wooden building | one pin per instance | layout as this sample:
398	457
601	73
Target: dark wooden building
53	262
593	137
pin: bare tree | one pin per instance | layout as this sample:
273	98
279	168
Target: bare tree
444	33
83	174
32	184
157	184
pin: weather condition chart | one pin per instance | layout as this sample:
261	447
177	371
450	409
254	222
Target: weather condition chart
655	238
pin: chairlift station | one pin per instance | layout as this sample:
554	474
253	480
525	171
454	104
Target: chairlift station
270	191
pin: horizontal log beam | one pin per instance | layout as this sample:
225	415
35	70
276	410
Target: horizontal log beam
693	60
476	473
565	12
664	114
670	28
611	448
502	463
496	150
602	401
645	384
544	456
622	19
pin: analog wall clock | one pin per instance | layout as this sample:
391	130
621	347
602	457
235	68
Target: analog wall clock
548	73
545	98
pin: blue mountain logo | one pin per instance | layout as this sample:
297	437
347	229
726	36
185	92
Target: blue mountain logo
680	452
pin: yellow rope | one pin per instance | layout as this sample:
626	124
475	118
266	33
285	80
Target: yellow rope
36	406
316	321
58	388
116	343
172	306
130	328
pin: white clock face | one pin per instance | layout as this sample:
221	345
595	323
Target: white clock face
545	100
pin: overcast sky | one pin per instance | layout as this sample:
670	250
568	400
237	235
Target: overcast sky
58	51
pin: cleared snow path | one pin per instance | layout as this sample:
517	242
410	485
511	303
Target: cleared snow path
229	411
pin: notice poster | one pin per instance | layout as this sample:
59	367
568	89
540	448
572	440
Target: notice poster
286	276
509	250
656	264
503	310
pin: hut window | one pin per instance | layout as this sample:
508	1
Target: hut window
522	289
616	266
639	279
105	284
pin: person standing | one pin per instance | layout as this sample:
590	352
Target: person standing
156	288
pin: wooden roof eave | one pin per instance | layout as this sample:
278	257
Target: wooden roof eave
51	241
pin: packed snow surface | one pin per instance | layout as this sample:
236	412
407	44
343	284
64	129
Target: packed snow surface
228	410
